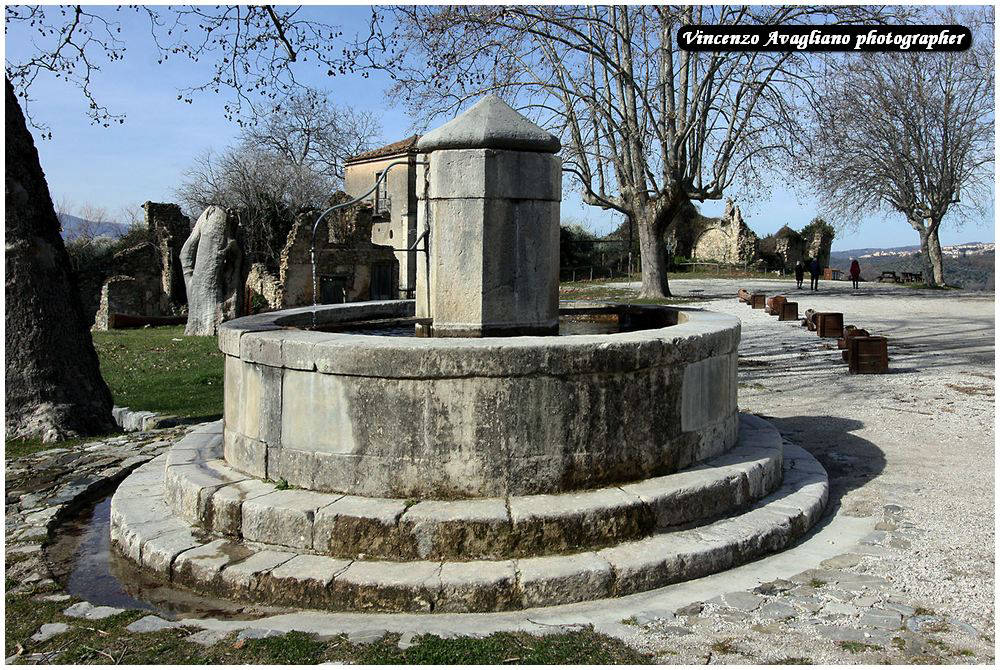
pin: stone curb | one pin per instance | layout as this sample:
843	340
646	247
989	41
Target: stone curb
133	420
204	491
144	529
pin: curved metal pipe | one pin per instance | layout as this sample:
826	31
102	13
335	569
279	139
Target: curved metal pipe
312	243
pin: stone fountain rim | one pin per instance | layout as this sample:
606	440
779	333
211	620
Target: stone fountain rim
271	339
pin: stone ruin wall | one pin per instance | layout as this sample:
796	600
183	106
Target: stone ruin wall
170	228
344	248
146	279
726	239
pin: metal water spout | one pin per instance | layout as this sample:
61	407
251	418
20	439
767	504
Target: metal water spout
312	244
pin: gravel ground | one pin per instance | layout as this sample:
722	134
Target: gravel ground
914	447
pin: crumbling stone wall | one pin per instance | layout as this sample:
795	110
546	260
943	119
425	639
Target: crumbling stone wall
264	290
136	288
157	281
786	247
169	228
818	244
727	239
343	249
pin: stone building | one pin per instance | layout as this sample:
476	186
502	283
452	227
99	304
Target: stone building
784	248
394	203
145	280
349	266
787	246
726	239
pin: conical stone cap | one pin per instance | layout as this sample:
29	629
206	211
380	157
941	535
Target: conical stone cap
490	124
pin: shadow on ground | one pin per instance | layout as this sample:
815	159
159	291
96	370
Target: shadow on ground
850	461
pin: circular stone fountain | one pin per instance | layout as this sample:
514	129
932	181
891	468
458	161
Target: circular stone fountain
485	467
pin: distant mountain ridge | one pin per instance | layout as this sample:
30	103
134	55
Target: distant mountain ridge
970	265
74	227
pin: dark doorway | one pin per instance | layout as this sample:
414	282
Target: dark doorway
381	287
332	290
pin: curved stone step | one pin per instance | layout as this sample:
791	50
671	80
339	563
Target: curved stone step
144	529
206	492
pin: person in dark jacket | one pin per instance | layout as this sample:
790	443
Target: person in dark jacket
800	272
814	271
855	272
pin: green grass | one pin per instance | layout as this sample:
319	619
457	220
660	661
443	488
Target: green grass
598	292
106	641
20	448
162	370
857	647
156	369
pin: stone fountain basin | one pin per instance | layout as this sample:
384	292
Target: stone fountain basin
448	418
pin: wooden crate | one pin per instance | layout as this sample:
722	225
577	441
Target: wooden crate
789	311
849	332
757	300
830	324
867	355
774	304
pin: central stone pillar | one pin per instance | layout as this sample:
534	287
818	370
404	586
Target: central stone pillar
492	211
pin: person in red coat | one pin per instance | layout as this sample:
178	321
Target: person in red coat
855	272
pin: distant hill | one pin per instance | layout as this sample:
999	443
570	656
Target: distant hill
74	227
971	265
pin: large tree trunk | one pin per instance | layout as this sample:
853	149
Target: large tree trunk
54	385
654	259
925	255
934	252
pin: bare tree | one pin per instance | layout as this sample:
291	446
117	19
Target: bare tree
646	126
54	387
293	159
908	133
249	51
309	131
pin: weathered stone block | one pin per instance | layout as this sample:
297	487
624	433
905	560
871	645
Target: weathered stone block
709	391
489	173
353	525
245	454
188	487
461	529
224	509
389	587
283	517
480	586
569	521
201	565
553	580
303	580
158	552
242	576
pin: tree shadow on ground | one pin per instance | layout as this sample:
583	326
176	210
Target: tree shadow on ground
850	461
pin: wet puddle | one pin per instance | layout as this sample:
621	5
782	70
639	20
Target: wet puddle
87	567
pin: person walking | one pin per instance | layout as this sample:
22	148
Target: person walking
855	272
814	271
800	272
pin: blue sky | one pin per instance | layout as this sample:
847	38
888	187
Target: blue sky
143	159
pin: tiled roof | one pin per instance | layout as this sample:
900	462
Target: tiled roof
401	147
